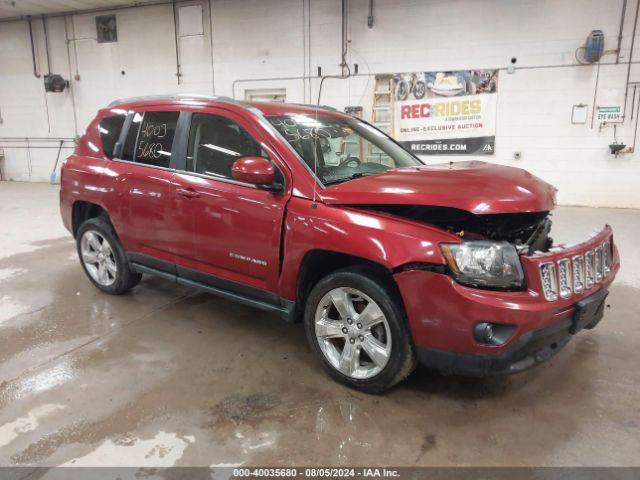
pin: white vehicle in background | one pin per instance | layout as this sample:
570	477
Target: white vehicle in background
446	85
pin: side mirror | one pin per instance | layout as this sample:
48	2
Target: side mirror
256	170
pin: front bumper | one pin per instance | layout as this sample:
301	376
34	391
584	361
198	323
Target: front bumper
531	349
442	314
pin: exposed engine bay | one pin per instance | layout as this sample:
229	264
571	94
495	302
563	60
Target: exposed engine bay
528	231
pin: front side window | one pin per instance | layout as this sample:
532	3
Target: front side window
339	149
110	132
215	143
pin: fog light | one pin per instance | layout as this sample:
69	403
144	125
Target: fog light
492	333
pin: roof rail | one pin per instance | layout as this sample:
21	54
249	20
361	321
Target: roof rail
177	96
313	105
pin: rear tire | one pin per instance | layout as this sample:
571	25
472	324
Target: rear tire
103	259
356	325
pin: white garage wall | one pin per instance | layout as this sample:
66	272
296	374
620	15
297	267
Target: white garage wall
258	40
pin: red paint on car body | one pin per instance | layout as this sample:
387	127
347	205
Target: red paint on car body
476	187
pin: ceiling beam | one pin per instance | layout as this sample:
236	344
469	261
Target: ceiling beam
139	4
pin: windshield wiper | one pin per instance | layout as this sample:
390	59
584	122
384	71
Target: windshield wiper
350	177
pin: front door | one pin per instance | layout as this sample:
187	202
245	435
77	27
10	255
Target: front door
236	227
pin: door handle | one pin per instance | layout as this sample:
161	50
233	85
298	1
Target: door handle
187	192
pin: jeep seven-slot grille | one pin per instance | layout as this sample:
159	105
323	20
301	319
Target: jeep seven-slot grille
567	276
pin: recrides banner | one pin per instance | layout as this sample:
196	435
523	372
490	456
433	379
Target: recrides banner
446	112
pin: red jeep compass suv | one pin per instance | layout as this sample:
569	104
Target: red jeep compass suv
324	219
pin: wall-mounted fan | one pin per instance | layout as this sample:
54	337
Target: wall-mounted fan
106	28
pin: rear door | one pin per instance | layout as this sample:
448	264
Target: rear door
144	174
235	227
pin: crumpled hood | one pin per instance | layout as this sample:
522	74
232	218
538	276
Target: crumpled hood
477	187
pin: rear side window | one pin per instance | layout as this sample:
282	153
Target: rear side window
109	132
155	138
150	138
215	143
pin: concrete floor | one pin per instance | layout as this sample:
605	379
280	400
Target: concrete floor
169	376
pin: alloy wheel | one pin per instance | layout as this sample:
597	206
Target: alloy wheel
98	258
353	333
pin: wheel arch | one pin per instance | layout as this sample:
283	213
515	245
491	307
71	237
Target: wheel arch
82	211
318	263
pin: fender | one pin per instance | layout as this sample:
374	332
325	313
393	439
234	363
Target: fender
86	176
389	242
83	179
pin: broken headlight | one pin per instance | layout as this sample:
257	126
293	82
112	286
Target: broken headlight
484	264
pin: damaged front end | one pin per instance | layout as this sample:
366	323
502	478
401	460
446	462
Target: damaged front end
488	255
528	231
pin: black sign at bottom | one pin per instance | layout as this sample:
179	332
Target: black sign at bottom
452	146
319	473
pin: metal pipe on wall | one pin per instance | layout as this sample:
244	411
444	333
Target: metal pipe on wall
177	41
627	82
633	39
75	45
33	48
304	50
71	88
213	77
309	48
371	74
32	147
46	43
36	139
595	95
25	143
622	15
635	130
345	35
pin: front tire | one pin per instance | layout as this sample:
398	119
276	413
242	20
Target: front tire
355	324
103	259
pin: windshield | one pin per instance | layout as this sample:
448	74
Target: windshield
340	149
